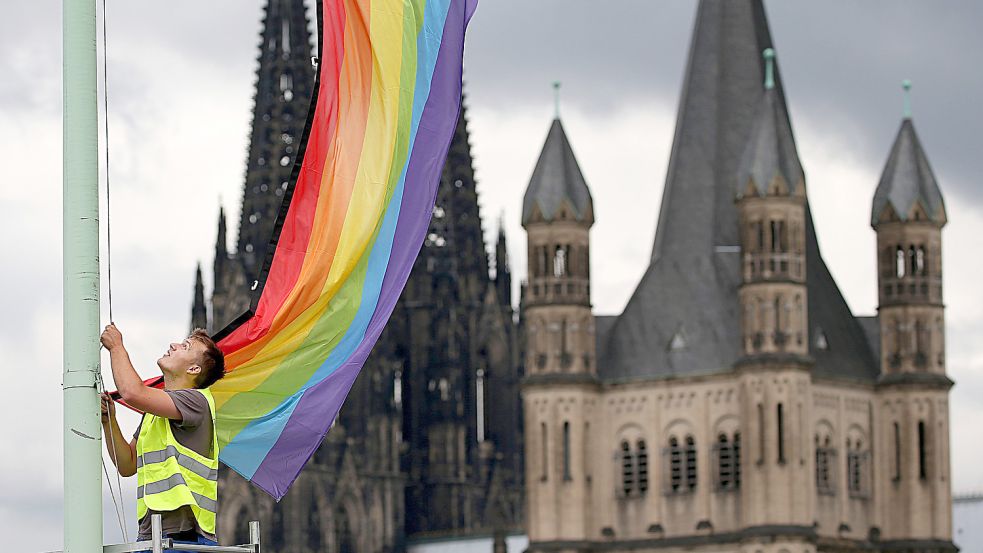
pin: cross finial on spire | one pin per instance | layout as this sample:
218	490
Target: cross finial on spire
906	85
556	98
769	55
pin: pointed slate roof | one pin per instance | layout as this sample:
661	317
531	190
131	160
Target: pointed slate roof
770	152
691	284
908	181
557	179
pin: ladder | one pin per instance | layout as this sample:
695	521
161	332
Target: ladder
158	543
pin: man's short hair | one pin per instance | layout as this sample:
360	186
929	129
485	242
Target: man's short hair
212	361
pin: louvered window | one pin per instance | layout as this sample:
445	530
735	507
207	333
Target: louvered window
642	467
627	469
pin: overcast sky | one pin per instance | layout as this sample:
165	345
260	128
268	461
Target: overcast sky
181	77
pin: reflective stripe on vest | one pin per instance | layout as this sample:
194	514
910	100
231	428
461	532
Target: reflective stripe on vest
176	480
189	463
170	475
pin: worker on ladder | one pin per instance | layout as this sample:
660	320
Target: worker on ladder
174	451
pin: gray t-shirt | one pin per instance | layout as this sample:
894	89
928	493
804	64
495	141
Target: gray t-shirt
193	431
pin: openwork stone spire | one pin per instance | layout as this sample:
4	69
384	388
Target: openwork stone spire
284	82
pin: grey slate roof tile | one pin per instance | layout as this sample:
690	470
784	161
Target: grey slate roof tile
907	179
770	151
557	179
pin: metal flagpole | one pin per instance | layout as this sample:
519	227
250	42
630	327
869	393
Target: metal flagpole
80	227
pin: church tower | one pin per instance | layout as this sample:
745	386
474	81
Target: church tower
771	202
908	215
284	83
560	384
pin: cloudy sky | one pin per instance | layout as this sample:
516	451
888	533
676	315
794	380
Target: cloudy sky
181	76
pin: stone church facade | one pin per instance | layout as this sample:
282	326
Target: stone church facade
736	405
417	450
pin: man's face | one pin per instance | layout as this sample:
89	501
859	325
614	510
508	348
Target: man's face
182	358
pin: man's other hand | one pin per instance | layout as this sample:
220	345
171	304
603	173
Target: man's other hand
108	408
111	337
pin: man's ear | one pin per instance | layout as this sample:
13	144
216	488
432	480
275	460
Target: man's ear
194	369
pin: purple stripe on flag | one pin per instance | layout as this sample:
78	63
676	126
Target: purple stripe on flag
294	448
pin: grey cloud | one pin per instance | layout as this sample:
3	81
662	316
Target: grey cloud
842	63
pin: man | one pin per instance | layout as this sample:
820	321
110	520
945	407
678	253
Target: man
174	451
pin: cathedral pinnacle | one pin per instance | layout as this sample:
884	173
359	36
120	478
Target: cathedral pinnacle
769	55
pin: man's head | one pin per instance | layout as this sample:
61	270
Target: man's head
196	362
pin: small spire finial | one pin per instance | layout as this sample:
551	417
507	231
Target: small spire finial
769	55
556	98
906	85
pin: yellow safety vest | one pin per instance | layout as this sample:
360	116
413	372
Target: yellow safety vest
170	476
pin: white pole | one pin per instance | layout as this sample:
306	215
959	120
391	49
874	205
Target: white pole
82	430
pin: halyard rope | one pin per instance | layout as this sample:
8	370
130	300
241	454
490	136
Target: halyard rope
120	506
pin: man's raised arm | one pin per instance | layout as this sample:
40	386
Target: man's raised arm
128	382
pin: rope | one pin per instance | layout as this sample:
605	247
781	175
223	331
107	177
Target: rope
105	105
118	506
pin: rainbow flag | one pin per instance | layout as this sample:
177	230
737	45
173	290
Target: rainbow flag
352	222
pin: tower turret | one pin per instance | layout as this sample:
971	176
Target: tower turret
557	213
771	205
771	198
908	214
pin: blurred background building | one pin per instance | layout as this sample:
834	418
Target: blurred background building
735	405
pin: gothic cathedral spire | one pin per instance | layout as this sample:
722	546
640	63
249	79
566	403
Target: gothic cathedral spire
284	83
199	313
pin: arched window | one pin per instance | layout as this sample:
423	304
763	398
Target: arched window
642	467
761	433
344	537
887	267
675	465
545	455
856	468
725	463
922	451
776	241
920	261
779	322
566	451
899	264
825	461
315	534
781	432
560	261
690	463
728	452
627	469
897	452
798	320
912	264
